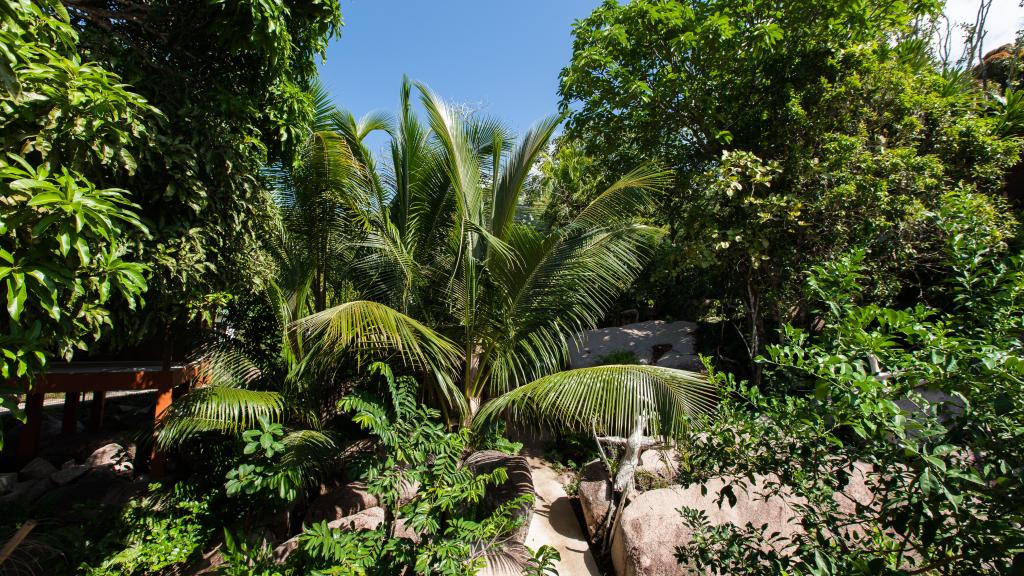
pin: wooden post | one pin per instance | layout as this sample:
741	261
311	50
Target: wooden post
165	395
29	442
99	401
69	425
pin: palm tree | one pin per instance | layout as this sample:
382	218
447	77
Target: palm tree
447	283
453	285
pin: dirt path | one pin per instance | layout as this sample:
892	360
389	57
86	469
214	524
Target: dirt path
555	524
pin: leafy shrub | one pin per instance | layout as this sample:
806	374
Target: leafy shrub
258	475
542	562
164	529
414	449
244	558
947	473
62	234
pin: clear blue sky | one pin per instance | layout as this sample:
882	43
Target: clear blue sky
503	54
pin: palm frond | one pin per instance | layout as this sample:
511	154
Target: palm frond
221	409
623	200
564	285
510	184
315	454
608	398
370	330
323	108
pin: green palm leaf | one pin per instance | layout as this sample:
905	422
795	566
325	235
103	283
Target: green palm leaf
216	409
371	330
610	398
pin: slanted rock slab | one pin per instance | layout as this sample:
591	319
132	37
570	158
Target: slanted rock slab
369	519
68	474
651	527
595	493
37	469
340	502
519	483
670	338
107	455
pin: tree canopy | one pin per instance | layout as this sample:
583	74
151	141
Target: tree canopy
230	78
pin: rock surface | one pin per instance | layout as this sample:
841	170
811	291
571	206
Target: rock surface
27	491
645	540
654	342
68	473
595	493
663	463
555	523
340	502
37	469
109	455
7	482
285	549
519	483
369	519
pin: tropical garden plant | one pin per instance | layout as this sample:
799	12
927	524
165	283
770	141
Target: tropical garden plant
449	284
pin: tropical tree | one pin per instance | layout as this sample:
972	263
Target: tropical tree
230	79
452	287
451	282
795	130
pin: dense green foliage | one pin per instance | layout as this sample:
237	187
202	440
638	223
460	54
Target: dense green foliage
156	532
939	431
834	191
67	127
230	78
414	450
795	130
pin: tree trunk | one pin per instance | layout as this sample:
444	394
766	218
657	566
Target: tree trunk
756	328
631	457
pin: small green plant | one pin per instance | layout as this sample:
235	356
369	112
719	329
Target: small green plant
542	562
454	537
245	558
258	474
492	437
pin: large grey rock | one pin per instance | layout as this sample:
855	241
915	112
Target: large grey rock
672	340
402	530
651	527
680	361
68	473
285	549
107	456
369	519
339	503
519	483
209	563
37	469
663	463
119	494
595	493
857	490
